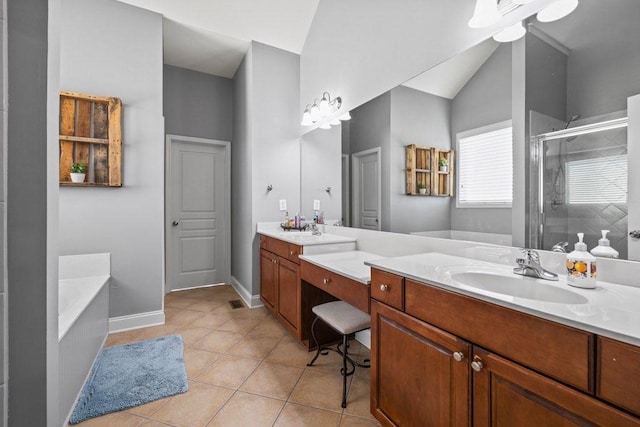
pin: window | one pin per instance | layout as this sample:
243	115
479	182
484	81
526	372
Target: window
598	180
485	167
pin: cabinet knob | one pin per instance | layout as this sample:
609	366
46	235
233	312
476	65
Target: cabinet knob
274	261
326	281
476	365
384	288
458	356
291	253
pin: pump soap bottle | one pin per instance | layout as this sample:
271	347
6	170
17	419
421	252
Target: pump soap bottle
604	248
581	266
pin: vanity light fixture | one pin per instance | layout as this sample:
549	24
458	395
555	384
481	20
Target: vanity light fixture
324	112
557	10
511	33
485	14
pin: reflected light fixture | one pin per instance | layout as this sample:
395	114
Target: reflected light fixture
324	113
511	33
485	14
557	10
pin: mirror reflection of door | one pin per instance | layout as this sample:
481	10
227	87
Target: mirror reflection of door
366	189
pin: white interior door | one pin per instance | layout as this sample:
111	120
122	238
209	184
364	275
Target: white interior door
346	199
366	189
198	248
633	196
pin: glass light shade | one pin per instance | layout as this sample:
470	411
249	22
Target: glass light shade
557	10
325	125
521	1
334	121
345	116
306	119
324	106
485	14
315	113
511	33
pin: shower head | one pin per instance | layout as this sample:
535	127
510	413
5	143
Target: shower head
572	119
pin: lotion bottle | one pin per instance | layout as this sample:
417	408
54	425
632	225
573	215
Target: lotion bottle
604	248
581	266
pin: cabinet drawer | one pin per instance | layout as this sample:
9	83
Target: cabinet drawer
387	288
350	291
558	351
281	248
618	374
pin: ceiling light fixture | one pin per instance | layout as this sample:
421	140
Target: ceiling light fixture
557	10
324	113
511	33
485	14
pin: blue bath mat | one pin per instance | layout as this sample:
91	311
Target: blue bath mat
130	375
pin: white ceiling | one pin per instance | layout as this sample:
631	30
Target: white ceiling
212	36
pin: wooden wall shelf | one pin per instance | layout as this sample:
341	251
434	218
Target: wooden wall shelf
423	170
91	133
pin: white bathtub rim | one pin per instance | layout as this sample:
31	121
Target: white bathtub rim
93	285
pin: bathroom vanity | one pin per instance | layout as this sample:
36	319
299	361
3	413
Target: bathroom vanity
443	355
461	341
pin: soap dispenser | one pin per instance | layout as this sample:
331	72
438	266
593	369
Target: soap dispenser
604	248
581	266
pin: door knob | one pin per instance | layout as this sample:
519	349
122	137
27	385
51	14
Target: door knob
175	223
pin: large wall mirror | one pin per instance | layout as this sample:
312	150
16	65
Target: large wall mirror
573	74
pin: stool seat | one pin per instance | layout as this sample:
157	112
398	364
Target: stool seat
344	318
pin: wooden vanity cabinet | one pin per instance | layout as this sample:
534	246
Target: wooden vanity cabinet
514	370
280	282
419	373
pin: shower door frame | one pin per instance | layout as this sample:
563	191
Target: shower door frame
536	190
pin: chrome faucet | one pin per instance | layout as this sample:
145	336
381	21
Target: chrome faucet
560	247
314	229
530	266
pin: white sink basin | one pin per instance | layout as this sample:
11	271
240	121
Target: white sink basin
517	286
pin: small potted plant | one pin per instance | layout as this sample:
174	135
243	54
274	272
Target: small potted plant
422	189
444	164
78	172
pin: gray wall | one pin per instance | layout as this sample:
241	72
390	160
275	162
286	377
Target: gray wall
100	58
423	119
197	104
484	100
370	127
265	151
31	221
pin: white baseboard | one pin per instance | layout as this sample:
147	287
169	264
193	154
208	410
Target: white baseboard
136	321
251	301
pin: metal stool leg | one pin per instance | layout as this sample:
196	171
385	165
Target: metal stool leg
344	371
315	339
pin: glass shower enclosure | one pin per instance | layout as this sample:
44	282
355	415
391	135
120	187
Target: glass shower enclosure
579	184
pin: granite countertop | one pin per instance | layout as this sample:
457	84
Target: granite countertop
349	264
609	310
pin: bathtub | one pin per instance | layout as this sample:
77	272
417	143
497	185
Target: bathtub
83	322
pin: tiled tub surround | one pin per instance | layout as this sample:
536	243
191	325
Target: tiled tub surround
83	306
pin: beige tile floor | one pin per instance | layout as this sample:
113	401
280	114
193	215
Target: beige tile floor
244	369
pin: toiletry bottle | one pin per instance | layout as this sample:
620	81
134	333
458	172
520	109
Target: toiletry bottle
286	219
315	217
581	266
604	248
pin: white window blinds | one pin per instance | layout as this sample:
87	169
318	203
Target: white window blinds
598	180
485	169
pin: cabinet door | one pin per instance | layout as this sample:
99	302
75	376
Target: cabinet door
507	394
415	379
268	279
288	307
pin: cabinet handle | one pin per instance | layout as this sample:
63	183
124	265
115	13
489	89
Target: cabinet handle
458	356
326	281
384	288
476	365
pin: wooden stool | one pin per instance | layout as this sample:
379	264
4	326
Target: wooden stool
346	320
